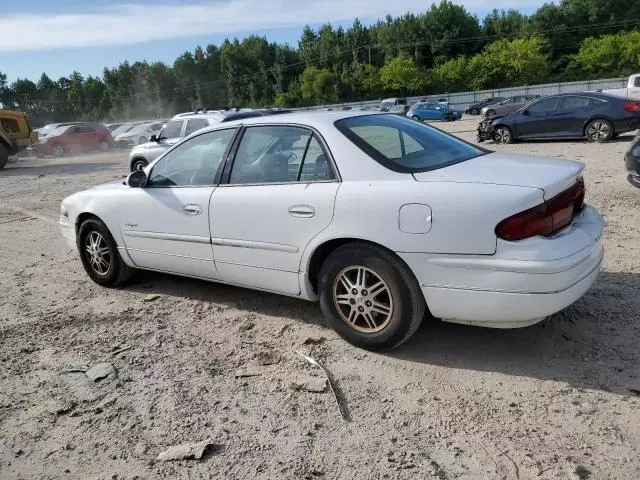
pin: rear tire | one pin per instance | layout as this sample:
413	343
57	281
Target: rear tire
104	146
382	306
99	254
4	156
599	131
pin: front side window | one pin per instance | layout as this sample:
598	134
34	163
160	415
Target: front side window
279	154
544	106
192	163
403	145
172	130
9	125
506	101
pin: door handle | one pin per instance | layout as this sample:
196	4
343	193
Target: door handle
302	211
192	209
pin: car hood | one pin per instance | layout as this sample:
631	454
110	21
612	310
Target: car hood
119	185
552	175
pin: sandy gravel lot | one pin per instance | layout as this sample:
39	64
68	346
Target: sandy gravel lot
554	401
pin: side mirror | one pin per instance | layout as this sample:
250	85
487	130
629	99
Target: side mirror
526	113
137	179
153	138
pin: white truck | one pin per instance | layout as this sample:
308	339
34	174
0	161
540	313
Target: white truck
632	91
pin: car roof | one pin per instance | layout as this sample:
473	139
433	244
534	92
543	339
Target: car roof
313	119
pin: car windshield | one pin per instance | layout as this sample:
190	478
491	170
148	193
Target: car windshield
404	145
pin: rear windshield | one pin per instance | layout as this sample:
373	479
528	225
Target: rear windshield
405	145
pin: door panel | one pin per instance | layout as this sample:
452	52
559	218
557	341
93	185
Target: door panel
161	234
573	113
260	231
537	120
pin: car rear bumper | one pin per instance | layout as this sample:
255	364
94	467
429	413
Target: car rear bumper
504	291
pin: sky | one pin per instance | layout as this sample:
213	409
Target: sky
58	37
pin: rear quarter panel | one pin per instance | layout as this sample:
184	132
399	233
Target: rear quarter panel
463	215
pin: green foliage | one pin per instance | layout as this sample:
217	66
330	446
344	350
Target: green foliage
400	75
443	49
609	55
509	63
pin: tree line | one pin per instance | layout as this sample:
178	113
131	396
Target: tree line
445	49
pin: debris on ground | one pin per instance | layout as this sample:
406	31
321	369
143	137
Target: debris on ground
185	451
151	297
122	349
76	368
310	384
249	371
343	412
101	371
314	340
263	358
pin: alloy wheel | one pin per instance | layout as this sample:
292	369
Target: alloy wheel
598	131
58	151
362	299
97	253
502	135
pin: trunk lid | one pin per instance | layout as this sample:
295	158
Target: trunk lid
551	175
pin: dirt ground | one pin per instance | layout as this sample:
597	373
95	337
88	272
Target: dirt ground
556	400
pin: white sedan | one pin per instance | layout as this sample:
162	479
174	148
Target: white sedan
378	217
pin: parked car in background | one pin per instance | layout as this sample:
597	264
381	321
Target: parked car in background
632	161
113	126
125	127
596	116
183	125
397	106
74	138
378	217
433	111
508	105
476	108
631	91
138	135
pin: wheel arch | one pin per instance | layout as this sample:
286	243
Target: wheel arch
117	237
134	159
322	251
598	117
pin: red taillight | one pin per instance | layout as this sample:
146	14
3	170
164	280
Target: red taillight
632	107
546	218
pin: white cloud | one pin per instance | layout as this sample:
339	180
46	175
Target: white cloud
127	24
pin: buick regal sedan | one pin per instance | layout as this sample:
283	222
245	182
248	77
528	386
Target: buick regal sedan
380	218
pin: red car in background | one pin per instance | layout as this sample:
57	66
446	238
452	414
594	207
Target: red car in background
74	138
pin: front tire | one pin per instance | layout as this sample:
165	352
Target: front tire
490	113
370	297
142	140
599	131
138	164
4	156
502	135
474	111
58	151
104	146
99	254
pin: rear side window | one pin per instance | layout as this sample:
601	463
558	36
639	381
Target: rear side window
173	129
403	145
194	125
573	103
